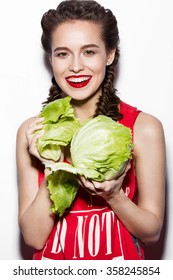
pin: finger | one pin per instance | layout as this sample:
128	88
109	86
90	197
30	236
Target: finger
128	166
87	185
36	121
37	135
35	125
106	186
47	172
80	182
39	119
61	159
33	128
32	138
97	186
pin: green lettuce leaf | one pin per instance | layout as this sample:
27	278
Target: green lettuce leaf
59	126
57	109
63	188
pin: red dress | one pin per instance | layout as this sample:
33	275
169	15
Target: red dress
91	230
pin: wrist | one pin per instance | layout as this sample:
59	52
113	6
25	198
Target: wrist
116	198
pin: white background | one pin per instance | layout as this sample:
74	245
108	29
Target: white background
144	80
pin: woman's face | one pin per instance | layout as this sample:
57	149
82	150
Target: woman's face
79	59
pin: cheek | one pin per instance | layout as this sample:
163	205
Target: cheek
100	69
59	67
99	65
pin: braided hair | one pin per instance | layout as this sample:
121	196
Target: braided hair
87	10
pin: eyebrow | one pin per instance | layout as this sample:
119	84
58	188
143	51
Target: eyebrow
82	48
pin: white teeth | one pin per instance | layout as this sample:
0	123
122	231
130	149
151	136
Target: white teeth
78	80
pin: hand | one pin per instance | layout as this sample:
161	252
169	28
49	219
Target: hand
33	137
105	189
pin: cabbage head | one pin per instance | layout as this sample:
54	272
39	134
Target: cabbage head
59	126
100	149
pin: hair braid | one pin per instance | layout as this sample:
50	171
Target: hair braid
54	92
108	103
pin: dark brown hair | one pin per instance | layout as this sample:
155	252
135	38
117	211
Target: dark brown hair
89	11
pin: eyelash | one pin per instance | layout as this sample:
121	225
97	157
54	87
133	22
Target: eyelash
64	54
89	52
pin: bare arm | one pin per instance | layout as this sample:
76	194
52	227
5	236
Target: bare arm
145	219
35	218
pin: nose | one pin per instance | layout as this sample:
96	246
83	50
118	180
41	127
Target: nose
76	64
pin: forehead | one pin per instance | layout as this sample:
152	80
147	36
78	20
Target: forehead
77	32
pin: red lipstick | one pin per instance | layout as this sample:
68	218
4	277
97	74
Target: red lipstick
78	81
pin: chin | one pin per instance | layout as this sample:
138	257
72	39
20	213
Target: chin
80	96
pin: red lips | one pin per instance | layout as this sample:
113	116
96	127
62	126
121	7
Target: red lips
78	81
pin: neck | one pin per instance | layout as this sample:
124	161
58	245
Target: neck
85	109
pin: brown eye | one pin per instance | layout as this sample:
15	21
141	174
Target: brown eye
89	52
62	54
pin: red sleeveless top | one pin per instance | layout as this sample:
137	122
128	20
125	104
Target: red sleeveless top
90	230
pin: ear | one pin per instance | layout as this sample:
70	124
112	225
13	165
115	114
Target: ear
111	56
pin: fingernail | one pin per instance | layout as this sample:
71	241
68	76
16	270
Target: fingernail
41	119
41	132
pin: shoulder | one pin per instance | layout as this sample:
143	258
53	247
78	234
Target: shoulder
23	127
148	131
147	124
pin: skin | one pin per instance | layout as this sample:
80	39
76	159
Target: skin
72	54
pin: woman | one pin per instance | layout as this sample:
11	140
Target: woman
110	219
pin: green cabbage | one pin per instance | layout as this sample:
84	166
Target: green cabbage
59	126
100	150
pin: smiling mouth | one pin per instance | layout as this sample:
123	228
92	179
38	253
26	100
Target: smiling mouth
78	81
